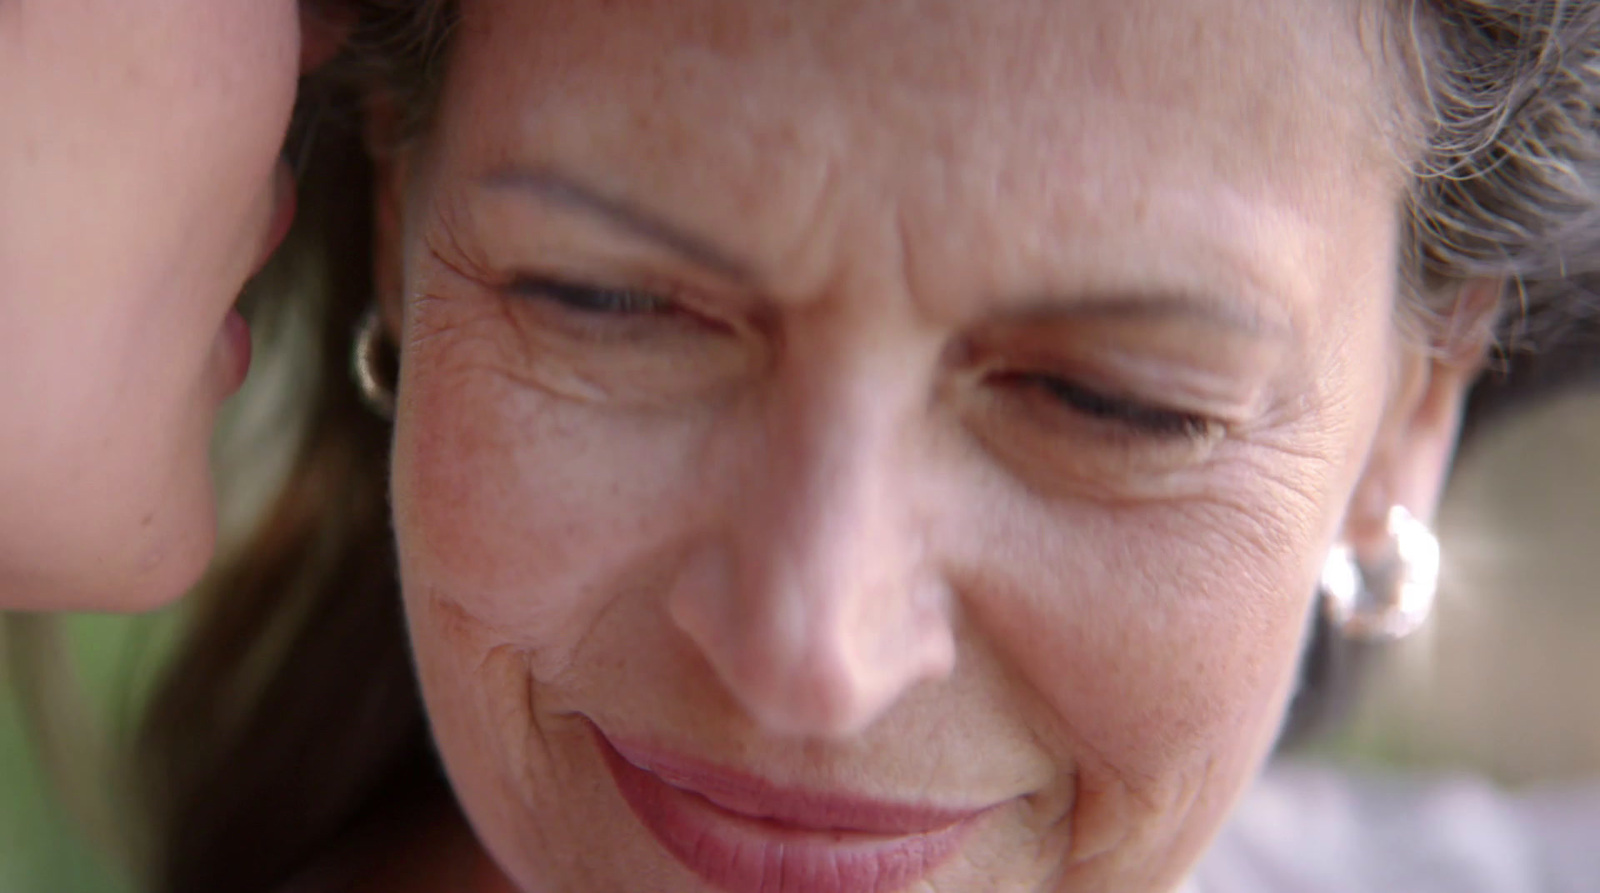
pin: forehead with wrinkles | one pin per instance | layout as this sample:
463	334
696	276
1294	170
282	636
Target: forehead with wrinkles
823	125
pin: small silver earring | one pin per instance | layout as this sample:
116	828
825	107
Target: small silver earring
1390	599
377	390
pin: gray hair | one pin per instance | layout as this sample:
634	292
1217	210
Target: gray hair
1506	185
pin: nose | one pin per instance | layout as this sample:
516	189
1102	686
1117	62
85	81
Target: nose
828	610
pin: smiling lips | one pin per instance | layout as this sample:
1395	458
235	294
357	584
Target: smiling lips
744	835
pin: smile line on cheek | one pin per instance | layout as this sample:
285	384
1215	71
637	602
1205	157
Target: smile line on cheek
504	683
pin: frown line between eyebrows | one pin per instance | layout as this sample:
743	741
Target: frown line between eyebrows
555	187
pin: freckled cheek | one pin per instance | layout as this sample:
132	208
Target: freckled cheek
521	508
1208	685
1170	643
1161	699
1155	704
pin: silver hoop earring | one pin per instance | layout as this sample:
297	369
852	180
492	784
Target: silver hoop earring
1387	600
377	389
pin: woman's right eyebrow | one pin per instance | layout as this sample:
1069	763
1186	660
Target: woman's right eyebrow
553	186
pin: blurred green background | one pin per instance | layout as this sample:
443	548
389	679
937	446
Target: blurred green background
43	849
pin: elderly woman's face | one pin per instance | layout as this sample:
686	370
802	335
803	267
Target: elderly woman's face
872	446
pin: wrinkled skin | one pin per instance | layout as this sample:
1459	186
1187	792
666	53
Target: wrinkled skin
979	391
139	186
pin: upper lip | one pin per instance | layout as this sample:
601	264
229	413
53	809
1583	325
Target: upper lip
757	798
284	207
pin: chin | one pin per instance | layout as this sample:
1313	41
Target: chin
168	559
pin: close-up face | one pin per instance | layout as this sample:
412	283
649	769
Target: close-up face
874	446
139	142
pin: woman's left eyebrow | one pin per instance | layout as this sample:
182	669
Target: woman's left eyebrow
552	186
1191	306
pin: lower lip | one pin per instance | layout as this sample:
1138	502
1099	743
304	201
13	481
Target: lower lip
233	344
741	854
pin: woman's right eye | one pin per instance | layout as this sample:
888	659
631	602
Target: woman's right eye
591	299
632	344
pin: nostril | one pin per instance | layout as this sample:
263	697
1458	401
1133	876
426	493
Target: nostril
788	680
818	609
823	659
831	689
818	697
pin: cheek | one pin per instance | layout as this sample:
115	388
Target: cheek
197	97
139	150
240	64
1174	639
205	86
237	82
1157	640
526	511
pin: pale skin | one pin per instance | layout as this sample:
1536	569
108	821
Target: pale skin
140	185
934	401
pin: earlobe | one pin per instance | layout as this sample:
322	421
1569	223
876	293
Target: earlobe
1416	441
389	173
388	274
1411	454
376	350
1378	583
1470	334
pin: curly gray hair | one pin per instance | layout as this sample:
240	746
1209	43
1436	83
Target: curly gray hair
1507	183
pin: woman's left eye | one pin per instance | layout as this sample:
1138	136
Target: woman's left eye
1129	414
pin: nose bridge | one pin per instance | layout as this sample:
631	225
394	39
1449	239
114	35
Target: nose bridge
834	540
832	616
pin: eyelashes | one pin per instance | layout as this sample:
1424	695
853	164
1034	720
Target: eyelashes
1128	413
636	318
591	299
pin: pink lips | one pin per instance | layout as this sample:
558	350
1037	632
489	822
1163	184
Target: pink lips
233	339
745	835
234	345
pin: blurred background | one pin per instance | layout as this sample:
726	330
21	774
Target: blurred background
1506	681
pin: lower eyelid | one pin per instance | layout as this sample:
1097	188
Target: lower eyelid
587	298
